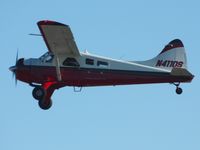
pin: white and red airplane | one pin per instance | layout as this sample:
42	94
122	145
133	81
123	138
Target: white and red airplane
64	65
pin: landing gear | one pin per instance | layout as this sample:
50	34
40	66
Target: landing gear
45	104
43	97
38	93
178	89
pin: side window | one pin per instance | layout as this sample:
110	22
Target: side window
71	62
89	61
102	64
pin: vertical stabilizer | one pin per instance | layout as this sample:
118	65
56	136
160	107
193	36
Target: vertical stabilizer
172	56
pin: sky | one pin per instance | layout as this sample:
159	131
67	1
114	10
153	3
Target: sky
130	117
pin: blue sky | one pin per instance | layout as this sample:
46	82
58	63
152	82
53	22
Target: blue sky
138	117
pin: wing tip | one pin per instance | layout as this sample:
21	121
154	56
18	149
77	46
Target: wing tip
49	22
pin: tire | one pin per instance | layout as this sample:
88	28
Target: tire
179	91
38	93
45	104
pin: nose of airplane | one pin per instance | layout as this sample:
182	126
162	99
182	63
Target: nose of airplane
18	63
13	68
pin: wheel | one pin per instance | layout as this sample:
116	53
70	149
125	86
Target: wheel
179	90
38	93
45	104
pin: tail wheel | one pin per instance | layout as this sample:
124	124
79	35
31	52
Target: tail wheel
45	104
179	90
38	93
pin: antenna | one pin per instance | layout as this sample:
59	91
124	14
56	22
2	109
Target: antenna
33	34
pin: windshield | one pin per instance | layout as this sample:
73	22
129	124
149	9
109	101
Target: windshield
47	57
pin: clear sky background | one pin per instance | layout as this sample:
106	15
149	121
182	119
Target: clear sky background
142	117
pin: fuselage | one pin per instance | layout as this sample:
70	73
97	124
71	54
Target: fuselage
91	70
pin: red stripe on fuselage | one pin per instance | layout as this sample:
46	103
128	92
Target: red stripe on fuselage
94	77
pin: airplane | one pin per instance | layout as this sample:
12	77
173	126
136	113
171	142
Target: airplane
64	65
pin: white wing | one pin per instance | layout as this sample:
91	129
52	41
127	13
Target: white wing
58	38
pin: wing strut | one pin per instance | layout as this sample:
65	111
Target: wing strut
59	77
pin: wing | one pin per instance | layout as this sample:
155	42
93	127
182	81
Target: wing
58	38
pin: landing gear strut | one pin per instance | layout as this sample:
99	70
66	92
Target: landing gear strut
178	89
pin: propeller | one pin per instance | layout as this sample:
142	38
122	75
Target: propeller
14	68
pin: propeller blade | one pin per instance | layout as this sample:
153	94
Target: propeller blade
15	81
16	58
13	69
14	72
13	75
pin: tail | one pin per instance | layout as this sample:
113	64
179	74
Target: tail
172	56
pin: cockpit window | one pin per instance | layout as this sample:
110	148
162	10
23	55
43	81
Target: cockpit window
47	57
71	62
